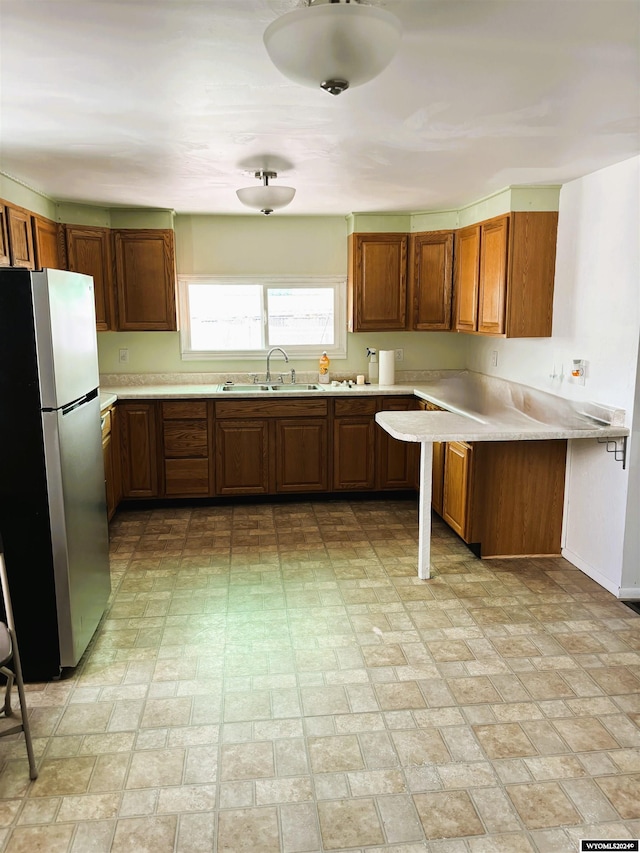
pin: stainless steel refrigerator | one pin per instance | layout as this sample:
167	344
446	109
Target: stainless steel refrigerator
53	517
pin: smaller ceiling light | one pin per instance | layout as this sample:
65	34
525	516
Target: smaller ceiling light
333	44
266	198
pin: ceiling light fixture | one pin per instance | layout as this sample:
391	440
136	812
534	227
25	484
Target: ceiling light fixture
334	44
266	198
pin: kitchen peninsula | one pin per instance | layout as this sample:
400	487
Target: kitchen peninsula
471	407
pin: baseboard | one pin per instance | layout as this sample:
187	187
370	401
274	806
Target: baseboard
629	593
593	573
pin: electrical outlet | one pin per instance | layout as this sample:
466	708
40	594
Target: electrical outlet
123	356
399	355
494	358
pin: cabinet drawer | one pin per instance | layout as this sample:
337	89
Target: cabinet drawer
262	408
399	404
355	406
186	477
186	438
184	409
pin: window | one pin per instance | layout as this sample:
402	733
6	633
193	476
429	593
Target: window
243	317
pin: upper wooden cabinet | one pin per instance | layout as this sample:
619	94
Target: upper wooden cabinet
377	282
5	260
430	280
504	274
89	252
466	278
400	282
145	279
21	251
48	244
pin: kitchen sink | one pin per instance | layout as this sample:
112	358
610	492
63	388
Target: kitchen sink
249	389
245	389
296	387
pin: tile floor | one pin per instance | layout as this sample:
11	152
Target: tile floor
275	677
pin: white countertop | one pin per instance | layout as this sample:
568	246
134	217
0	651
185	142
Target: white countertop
479	407
447	426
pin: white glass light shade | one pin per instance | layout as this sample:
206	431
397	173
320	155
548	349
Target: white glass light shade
337	41
266	197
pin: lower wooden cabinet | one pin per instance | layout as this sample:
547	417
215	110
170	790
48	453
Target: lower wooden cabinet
354	444
437	477
138	449
242	457
111	457
457	488
506	497
271	446
302	455
518	497
187	457
397	461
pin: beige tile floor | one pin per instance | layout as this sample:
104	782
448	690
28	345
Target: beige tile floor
275	677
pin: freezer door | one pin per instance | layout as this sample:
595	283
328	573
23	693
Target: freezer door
78	518
66	339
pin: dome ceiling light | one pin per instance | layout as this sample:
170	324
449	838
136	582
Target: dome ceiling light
265	197
334	44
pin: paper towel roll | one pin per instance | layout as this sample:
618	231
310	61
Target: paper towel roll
387	359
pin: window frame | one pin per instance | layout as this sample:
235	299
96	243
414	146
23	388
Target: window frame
337	283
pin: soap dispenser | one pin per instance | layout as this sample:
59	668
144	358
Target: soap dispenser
373	365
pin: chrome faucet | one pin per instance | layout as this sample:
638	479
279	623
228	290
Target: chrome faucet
267	378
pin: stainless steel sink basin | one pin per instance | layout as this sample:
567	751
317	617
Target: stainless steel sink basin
252	389
296	387
245	389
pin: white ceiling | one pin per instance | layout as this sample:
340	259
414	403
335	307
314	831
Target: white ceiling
173	104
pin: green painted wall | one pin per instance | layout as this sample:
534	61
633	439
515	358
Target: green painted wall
239	245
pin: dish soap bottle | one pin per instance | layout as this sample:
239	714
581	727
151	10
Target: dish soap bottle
323	369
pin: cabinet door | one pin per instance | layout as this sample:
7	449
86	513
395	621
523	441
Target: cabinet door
466	275
493	276
377	282
354	454
20	238
242	457
301	455
431	280
145	279
89	252
138	447
5	259
531	276
48	244
397	461
457	486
